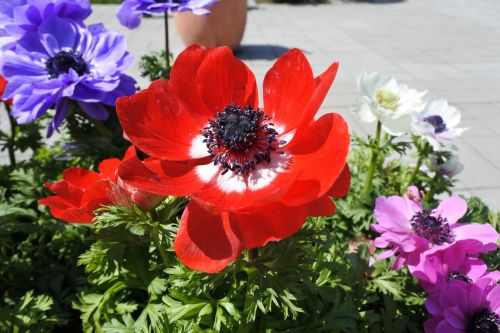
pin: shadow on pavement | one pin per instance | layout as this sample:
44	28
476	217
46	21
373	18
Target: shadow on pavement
260	51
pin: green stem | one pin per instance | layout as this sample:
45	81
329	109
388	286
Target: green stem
373	160
155	235
416	170
108	294
430	194
421	155
10	145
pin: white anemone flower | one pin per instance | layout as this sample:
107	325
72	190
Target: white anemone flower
449	168
437	123
381	97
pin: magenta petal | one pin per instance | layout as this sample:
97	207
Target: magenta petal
477	294
398	263
393	214
381	242
445	327
456	295
432	304
484	234
387	254
494	298
477	268
455	317
495	276
452	208
426	270
453	257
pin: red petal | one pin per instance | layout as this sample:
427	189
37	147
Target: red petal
166	130
270	223
161	177
63	210
183	78
223	80
320	151
323	84
96	196
206	242
3	84
77	215
81	178
322	207
70	193
342	185
108	169
288	87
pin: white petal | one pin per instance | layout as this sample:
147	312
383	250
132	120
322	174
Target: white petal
265	173
198	147
207	172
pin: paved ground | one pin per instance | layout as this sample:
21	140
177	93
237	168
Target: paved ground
449	47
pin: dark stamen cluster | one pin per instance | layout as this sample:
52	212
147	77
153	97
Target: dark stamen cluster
433	228
456	275
64	60
437	122
484	321
240	138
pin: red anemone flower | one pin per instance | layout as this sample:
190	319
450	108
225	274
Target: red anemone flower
82	191
3	84
254	174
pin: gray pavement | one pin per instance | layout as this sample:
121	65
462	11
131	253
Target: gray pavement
449	47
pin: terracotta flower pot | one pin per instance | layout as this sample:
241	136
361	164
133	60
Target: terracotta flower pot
224	26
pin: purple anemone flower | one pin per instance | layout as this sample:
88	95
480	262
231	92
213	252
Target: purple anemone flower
452	263
131	11
20	16
462	307
63	61
412	232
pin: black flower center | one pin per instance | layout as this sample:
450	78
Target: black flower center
437	122
484	321
240	138
433	228
456	275
63	61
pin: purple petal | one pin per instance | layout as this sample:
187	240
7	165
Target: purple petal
126	88
128	15
61	108
57	34
95	110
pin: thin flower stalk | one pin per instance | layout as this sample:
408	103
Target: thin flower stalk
373	160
